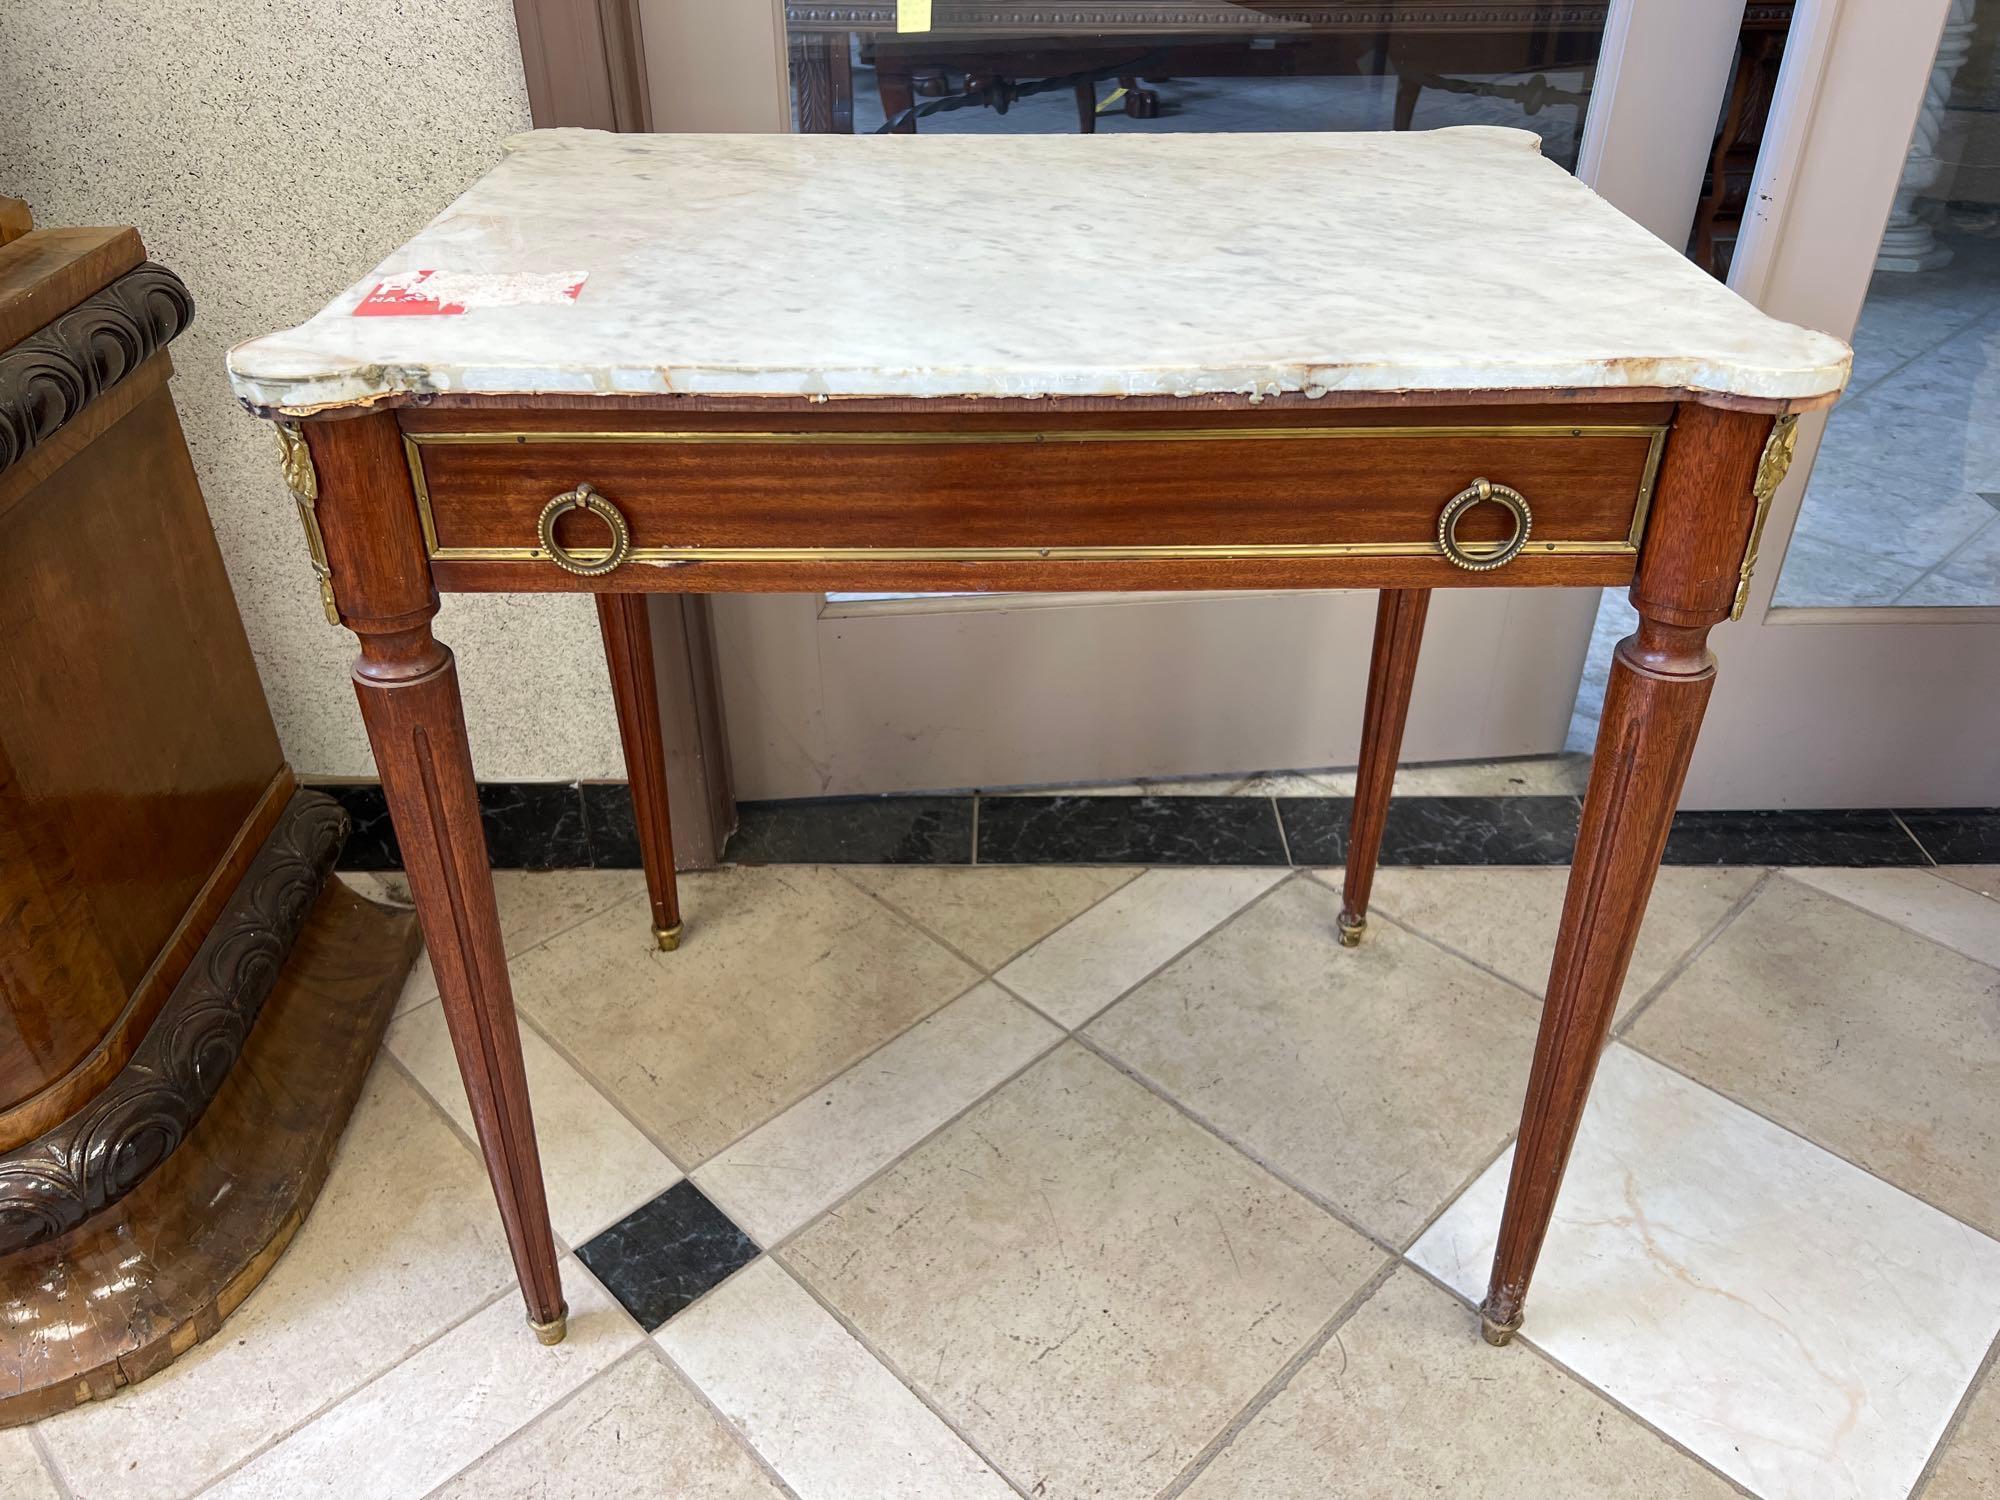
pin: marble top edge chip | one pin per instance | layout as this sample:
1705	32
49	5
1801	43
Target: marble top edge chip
1444	261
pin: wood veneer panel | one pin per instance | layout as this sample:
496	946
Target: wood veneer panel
134	1288
46	272
132	723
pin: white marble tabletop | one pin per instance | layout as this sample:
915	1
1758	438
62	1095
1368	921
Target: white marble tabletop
802	265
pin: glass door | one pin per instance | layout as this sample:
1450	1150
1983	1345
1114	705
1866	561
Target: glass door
1867	669
1659	106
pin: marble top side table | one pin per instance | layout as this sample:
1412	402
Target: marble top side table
638	364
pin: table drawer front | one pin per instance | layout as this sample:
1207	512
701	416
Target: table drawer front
1299	492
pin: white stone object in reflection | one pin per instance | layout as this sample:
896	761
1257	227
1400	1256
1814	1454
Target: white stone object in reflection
1908	243
827	265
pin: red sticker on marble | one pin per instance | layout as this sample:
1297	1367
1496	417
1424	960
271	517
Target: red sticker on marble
435	294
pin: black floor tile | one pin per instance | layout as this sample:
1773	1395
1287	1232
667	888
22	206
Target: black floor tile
1439	830
1957	835
659	1258
1838	837
1128	831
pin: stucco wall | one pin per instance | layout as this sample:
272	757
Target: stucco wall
270	153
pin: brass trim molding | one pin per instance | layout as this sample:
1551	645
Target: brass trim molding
303	481
1771	467
906	438
415	442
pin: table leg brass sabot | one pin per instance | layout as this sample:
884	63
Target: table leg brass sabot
553	1331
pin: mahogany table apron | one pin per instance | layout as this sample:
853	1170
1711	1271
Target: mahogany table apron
1657	489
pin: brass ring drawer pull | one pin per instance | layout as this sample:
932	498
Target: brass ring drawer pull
584	497
1488	557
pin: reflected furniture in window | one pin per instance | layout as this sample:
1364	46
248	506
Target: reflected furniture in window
993	50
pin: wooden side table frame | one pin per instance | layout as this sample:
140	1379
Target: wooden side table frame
1656	488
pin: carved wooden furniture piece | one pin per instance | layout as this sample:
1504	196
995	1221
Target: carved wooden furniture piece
1447	365
159	866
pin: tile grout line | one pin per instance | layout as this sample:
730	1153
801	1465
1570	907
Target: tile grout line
1284	838
787	1239
1956	1423
1800	1135
57	1477
895	1371
1304	1355
389	1059
651	1346
972	859
1671	976
1895	922
481	1459
511	1289
588	916
1929	858
1133	872
1526	1341
1182	952
1215	1132
828	1082
527	1018
1947	559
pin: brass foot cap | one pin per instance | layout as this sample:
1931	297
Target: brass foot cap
1499	1335
552	1331
1351	930
669	938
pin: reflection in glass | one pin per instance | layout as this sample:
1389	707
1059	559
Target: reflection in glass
998	66
1903	506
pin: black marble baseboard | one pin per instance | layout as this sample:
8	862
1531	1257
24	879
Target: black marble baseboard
588	825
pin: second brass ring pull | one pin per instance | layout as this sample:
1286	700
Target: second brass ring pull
584	497
1483	561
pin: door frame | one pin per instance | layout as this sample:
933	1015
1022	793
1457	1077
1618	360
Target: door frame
1868	706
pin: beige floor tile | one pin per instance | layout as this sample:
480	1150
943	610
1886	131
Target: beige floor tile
635	1430
789	975
1406	1400
1877	1043
1079	969
23	1476
1380	1077
788	1169
597	1165
1969	1466
403	1242
1506	919
1804	1327
1985	879
1940	909
989	914
443	1408
819	1407
534	905
1085	1281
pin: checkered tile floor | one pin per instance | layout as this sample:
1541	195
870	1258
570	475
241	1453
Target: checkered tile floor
1067	1182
